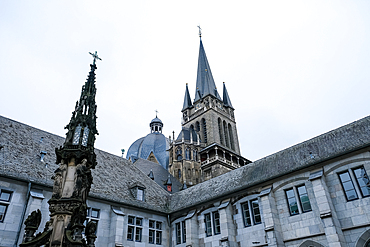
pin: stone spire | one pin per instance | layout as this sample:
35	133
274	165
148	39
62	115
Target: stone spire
72	180
226	98
187	99
205	82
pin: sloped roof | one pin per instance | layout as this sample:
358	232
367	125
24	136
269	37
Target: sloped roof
337	142
20	159
160	174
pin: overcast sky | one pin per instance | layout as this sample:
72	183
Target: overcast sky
293	69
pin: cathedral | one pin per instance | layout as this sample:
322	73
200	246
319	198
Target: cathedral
190	190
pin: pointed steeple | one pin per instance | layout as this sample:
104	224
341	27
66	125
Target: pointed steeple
187	99
80	137
226	98
205	82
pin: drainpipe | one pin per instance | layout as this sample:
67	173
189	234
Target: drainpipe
23	214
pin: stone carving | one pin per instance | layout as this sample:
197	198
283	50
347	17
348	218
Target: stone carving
58	181
83	181
90	233
32	224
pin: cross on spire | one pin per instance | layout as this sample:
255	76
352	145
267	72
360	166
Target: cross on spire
95	56
200	31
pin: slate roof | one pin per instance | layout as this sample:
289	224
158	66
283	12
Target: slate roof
20	159
337	142
154	142
113	176
160	174
205	83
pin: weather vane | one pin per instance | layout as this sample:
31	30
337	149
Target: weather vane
200	31
95	56
156	112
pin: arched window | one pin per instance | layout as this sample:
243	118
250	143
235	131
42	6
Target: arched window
187	154
204	124
226	135
220	132
192	127
77	134
179	173
179	154
195	155
231	137
197	125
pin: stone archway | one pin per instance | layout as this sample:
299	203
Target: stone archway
364	239
310	243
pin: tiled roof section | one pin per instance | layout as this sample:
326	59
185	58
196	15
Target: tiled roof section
337	142
20	159
205	83
160	174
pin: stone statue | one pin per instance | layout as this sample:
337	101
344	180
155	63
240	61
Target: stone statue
32	224
90	233
58	181
83	181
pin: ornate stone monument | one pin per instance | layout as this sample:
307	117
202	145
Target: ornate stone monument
72	180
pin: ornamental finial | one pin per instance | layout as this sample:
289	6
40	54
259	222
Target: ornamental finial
95	56
200	31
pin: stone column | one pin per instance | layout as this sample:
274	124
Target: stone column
271	220
192	234
333	231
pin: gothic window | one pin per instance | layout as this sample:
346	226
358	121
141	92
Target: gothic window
5	197
191	127
197	125
226	135
134	229
155	232
195	155
85	136
220	131
231	137
187	154
179	154
204	129
179	173
76	136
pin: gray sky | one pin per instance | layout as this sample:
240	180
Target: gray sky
293	69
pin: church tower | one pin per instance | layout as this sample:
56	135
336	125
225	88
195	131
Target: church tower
211	119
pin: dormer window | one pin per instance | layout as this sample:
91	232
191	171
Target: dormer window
140	194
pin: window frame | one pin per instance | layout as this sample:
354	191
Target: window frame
300	198
135	224
357	180
292	197
208	229
178	233
254	215
353	185
216	223
183	228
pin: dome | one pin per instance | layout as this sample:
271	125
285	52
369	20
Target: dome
155	143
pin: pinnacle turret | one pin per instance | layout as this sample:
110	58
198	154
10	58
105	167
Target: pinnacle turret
226	98
187	99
